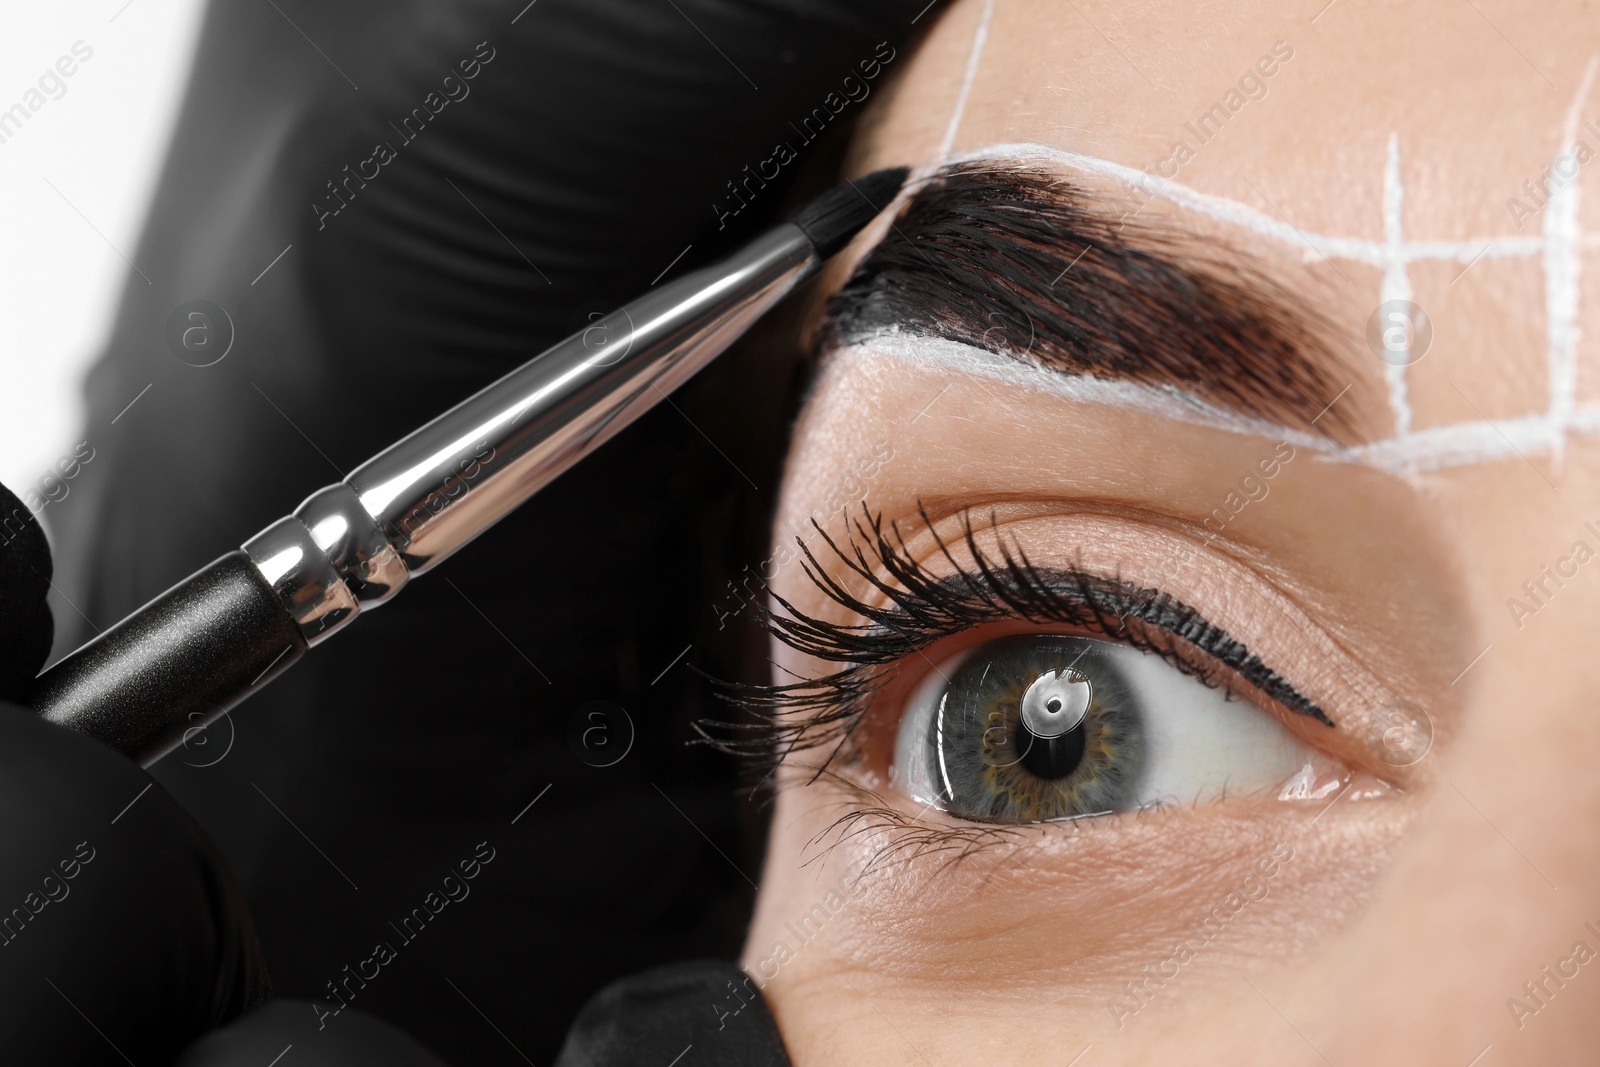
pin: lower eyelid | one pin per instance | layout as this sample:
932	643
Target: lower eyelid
948	865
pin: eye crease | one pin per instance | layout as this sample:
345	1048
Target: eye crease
1024	728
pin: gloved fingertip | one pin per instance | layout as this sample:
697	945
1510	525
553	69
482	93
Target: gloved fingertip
317	1037
26	625
709	1005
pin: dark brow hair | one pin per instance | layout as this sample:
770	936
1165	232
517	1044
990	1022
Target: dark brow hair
1018	261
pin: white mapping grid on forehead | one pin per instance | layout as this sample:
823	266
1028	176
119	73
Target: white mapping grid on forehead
1438	447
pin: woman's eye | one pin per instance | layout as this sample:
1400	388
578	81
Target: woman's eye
1042	727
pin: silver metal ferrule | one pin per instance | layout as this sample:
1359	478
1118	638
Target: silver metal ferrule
355	544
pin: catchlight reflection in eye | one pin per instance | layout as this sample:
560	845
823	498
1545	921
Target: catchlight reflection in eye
1041	727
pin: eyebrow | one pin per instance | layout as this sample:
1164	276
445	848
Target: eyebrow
1016	260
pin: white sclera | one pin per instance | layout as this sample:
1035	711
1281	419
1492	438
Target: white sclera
916	770
1198	745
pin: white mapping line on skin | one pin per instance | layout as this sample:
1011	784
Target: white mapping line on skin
1396	284
1436	448
1358	249
956	357
980	38
1466	444
1409	451
1561	268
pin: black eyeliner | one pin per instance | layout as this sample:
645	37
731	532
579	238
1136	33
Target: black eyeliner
923	608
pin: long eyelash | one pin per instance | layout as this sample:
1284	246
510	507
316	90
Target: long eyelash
902	838
922	608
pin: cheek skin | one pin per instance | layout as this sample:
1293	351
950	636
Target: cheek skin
1064	915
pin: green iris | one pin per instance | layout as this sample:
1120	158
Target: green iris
984	762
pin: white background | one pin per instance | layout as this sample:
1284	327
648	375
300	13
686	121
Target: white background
101	145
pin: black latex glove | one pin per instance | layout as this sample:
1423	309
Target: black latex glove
593	151
122	935
351	1039
26	625
707	1007
708	1013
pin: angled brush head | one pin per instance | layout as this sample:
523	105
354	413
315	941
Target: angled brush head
839	214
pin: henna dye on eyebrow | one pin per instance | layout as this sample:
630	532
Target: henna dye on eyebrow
1015	260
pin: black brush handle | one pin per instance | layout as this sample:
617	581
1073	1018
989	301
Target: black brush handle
174	665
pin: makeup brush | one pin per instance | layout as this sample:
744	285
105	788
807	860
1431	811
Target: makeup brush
204	645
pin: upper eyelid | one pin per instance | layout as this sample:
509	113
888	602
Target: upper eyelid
1359	619
813	713
1339	672
1098	595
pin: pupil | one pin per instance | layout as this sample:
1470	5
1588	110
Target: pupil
1053	704
1051	757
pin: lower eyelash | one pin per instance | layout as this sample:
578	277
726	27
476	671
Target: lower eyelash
906	838
922	608
901	840
898	838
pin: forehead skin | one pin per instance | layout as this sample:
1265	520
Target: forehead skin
1461	102
1470	118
